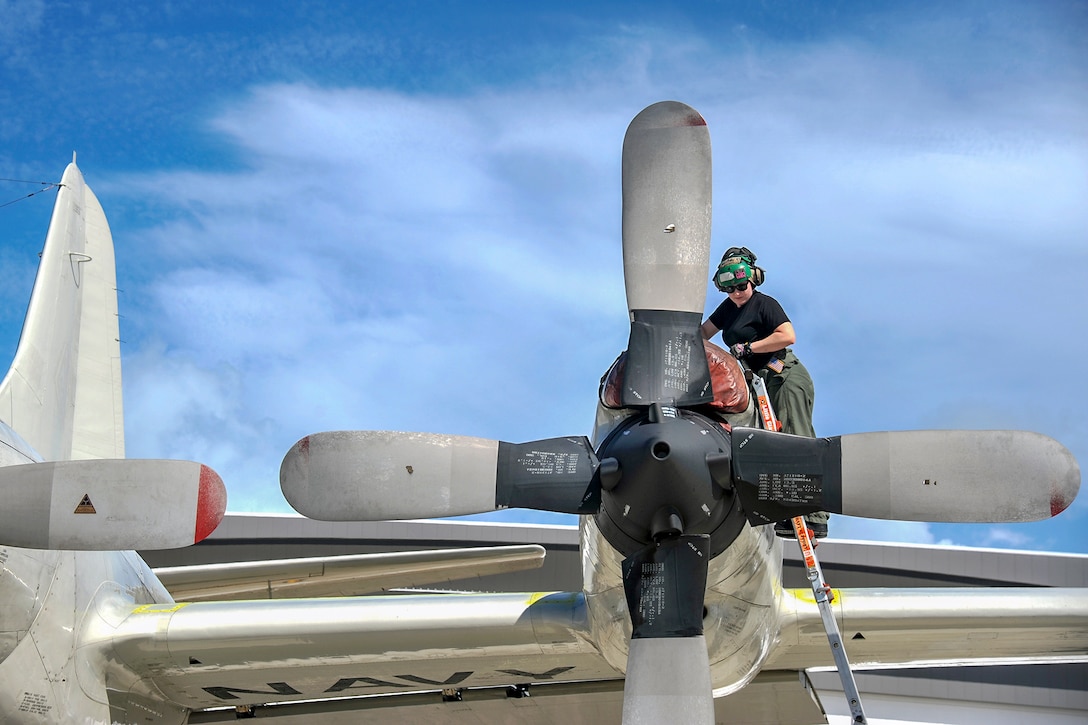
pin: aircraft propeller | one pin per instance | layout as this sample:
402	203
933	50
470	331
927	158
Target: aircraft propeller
670	487
105	504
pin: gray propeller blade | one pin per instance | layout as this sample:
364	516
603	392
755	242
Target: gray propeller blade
668	671
104	504
666	254
380	475
668	681
937	475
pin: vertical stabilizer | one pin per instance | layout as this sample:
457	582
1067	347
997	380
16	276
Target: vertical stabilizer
63	391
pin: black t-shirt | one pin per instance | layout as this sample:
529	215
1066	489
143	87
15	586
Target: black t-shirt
760	316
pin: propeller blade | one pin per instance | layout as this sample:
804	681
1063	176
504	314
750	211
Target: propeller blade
109	504
668	670
950	476
668	680
380	475
666	254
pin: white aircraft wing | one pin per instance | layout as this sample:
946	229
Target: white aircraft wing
936	626
349	575
773	698
228	654
215	654
387	659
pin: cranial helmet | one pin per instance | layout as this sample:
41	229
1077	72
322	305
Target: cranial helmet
738	265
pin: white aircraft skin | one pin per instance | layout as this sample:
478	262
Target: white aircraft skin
89	634
48	597
62	600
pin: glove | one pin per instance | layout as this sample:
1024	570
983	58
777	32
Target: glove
741	350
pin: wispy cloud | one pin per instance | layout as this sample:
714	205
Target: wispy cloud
443	254
904	532
1004	537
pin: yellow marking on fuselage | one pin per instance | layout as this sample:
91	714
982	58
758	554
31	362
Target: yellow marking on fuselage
537	596
159	608
806	595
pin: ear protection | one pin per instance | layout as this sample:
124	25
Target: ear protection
746	255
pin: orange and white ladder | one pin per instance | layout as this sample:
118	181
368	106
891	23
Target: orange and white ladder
820	589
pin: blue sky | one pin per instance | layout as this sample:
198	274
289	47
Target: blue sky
406	215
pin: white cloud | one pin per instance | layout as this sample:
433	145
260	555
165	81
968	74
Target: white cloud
903	532
1008	538
411	261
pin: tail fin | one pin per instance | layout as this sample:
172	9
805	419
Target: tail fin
62	396
63	391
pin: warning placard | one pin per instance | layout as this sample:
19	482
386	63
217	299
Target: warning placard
85	506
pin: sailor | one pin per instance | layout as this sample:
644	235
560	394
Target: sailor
756	329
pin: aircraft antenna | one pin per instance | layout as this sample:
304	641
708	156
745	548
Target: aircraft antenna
45	186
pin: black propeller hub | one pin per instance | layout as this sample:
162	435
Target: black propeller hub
661	474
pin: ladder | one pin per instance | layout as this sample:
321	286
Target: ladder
824	595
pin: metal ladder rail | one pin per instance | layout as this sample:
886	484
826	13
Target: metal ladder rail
815	574
824	596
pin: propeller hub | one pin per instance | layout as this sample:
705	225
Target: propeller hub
659	483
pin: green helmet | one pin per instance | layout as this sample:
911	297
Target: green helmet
737	266
732	271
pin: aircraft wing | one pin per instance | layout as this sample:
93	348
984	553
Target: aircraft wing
215	654
773	698
342	575
936	626
385	659
206	655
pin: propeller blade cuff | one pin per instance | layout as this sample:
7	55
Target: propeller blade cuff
665	584
779	476
666	362
556	474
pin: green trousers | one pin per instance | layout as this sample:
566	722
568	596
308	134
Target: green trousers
792	395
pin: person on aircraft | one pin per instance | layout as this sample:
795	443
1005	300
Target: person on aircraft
757	330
